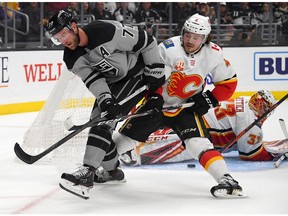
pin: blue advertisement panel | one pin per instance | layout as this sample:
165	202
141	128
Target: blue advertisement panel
271	66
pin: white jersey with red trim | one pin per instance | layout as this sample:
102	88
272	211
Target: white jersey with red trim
190	71
224	123
228	120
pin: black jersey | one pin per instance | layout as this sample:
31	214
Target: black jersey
114	52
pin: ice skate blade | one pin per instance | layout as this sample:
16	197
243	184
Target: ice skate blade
79	190
223	195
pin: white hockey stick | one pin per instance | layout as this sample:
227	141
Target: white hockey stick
285	155
281	158
283	127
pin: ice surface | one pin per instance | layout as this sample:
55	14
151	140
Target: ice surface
151	190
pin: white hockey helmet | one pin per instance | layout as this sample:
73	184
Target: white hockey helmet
261	101
197	24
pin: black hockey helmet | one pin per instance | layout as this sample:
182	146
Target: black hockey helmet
58	21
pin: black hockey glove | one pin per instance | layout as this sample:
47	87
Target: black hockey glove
203	102
107	103
154	102
154	76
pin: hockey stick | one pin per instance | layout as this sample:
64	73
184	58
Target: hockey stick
254	123
285	155
29	159
283	127
281	158
70	126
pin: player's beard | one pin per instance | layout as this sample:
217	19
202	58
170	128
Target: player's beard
74	43
190	48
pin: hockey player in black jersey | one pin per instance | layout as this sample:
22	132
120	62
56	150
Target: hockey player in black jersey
113	60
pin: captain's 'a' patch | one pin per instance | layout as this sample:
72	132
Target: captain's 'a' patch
168	43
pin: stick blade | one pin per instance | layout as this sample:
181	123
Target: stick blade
29	159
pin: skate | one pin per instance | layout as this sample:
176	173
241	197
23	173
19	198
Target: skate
227	188
129	158
109	177
80	182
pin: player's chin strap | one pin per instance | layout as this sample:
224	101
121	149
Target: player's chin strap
231	143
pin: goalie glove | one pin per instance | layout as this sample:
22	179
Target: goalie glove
107	103
203	102
154	76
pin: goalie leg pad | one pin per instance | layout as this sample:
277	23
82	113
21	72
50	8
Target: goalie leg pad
276	147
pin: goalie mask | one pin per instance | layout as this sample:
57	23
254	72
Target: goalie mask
58	22
261	101
197	24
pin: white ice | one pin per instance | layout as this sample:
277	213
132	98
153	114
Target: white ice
33	189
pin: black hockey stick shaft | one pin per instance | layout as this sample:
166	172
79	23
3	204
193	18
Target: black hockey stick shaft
30	159
128	116
231	143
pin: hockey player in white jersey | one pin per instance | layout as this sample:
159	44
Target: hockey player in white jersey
113	60
229	119
189	58
223	123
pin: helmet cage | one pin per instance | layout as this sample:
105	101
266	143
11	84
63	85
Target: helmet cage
261	102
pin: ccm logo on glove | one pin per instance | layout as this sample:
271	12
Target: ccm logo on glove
203	102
